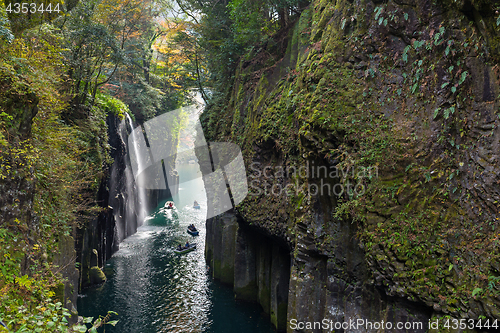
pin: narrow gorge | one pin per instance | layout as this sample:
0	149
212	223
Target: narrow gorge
368	130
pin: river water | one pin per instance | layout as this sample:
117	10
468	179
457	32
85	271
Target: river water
154	290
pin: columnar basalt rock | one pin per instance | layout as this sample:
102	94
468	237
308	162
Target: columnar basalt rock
245	272
280	276
256	267
99	239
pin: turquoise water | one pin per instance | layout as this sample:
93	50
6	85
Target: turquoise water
154	290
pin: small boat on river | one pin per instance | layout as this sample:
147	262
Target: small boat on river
184	249
169	205
192	230
196	205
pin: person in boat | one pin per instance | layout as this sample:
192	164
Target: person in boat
192	227
179	247
187	245
170	205
195	203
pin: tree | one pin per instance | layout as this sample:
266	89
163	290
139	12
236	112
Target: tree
178	60
94	54
225	30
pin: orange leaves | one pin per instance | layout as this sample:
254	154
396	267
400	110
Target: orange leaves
175	52
127	19
110	12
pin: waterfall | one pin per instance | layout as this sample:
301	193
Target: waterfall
126	199
124	203
140	191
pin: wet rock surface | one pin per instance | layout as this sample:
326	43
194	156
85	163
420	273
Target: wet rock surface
256	267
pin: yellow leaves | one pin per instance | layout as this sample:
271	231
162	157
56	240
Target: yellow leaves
124	18
25	282
172	28
175	53
43	67
175	85
4	290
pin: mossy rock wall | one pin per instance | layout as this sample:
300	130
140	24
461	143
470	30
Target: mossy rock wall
49	258
19	105
401	100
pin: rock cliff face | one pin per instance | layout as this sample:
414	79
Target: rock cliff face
372	148
17	189
257	266
16	193
101	237
118	196
123	207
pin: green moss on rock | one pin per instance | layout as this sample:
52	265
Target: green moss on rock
96	275
362	96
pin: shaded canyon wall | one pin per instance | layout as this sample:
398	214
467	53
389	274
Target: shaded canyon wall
124	205
399	102
257	267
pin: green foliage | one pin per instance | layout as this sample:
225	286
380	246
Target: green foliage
477	291
143	99
95	323
9	259
227	29
217	42
254	21
54	103
249	20
94	50
111	104
5	32
45	317
26	303
56	165
492	283
405	53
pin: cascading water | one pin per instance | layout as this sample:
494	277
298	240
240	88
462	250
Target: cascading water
140	191
126	199
121	201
